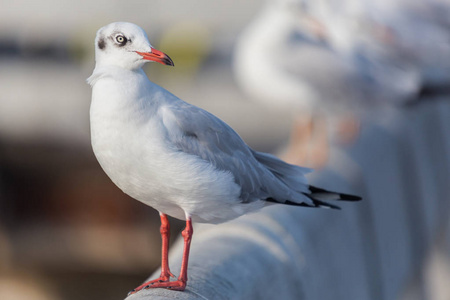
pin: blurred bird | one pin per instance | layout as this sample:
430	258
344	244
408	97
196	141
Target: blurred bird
421	31
326	60
284	59
404	44
176	157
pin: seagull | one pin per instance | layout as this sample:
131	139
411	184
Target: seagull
284	59
272	59
401	45
327	59
175	157
420	32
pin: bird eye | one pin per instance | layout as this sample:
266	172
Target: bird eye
121	40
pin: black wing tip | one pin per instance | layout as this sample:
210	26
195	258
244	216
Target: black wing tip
322	204
315	191
348	197
317	196
316	203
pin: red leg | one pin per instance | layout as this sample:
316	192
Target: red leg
165	271
165	236
179	284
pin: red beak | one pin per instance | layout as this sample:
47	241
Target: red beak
157	56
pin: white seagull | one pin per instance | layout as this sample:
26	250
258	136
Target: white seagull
285	59
176	157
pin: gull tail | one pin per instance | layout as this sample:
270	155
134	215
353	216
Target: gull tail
319	197
292	187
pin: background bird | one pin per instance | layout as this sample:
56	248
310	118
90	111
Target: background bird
284	60
332	64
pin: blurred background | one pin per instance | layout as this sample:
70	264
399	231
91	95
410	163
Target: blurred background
66	232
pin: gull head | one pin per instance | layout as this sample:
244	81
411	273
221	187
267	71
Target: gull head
126	45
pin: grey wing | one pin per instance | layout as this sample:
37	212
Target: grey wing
260	176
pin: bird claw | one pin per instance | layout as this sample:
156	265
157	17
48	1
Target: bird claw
178	285
148	284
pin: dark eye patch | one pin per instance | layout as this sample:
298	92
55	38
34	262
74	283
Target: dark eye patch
101	44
